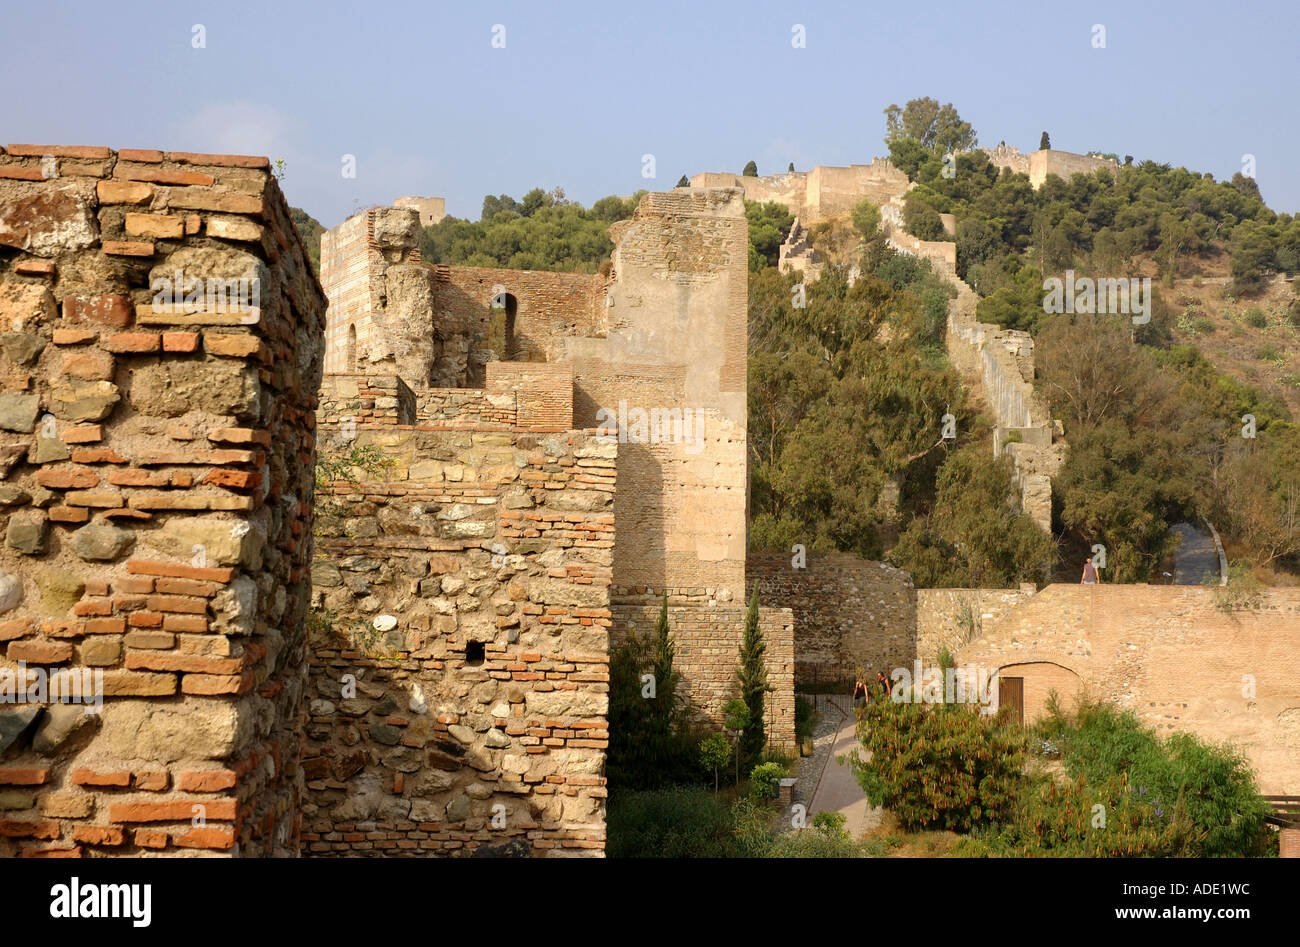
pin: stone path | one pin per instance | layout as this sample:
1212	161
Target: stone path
837	789
1196	556
811	767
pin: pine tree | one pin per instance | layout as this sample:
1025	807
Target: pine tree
751	170
752	678
791	168
1044	143
683	181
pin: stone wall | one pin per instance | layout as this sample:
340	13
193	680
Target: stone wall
1168	654
676	340
849	612
431	209
467	595
1065	164
665	340
820	193
1000	364
1039	164
367	399
707	642
156	456
950	618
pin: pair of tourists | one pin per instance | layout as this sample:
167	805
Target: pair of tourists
862	687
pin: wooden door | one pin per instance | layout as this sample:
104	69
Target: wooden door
1011	692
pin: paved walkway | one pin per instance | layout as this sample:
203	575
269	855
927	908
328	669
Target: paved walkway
1196	557
838	789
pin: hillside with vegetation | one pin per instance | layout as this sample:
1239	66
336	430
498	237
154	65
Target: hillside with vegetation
1154	414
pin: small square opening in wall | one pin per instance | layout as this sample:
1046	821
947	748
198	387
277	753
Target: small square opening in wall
475	651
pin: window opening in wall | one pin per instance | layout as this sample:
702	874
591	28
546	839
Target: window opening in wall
475	651
352	349
501	327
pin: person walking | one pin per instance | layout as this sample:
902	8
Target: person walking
859	691
883	682
1089	572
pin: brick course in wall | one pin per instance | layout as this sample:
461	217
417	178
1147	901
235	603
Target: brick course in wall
156	461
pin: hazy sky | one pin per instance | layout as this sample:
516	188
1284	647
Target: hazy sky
581	91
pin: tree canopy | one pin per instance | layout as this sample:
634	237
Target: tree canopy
933	126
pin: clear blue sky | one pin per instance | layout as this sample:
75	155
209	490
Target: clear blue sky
582	90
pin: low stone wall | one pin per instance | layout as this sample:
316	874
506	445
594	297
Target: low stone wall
708	648
465	599
849	612
367	399
470	408
161	332
1169	654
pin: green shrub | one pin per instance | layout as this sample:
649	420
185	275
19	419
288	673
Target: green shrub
938	766
817	842
1099	819
1173	796
1255	317
968	847
874	847
832	822
826	838
763	779
680	822
1269	353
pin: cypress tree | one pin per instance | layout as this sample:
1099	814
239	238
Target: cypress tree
662	668
752	678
